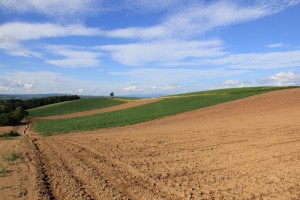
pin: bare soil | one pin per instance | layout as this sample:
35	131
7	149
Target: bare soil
20	181
245	149
5	129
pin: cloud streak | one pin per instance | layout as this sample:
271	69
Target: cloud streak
269	60
163	52
172	76
276	45
73	57
54	8
201	17
21	31
13	34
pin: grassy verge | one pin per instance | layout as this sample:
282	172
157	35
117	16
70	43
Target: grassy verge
73	106
155	110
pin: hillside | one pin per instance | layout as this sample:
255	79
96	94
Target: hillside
165	107
73	106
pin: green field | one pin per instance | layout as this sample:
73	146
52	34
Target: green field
233	91
73	106
155	110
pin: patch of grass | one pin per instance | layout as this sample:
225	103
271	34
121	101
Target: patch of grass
73	106
10	135
3	171
155	110
12	156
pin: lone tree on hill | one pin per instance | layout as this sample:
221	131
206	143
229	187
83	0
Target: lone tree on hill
112	95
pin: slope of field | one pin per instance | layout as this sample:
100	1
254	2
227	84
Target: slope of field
235	91
155	110
129	104
73	106
244	149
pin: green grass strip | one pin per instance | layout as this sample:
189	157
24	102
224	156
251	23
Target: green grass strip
73	106
155	110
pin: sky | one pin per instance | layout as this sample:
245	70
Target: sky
131	47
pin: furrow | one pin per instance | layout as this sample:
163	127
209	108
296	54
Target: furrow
128	178
65	183
43	184
90	179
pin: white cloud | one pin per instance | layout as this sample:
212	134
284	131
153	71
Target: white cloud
194	18
8	85
164	87
162	52
14	48
73	57
132	89
155	76
20	82
40	82
19	31
54	8
151	89
80	91
276	45
269	60
284	78
197	53
234	84
13	34
152	6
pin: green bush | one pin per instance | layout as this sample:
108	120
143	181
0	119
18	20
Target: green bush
12	117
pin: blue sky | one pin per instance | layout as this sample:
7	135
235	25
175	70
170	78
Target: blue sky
94	47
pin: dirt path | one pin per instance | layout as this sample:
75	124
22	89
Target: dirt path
102	110
246	149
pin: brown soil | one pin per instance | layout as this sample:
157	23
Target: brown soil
19	182
245	149
102	110
5	129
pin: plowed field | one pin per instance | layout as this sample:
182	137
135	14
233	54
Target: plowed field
245	149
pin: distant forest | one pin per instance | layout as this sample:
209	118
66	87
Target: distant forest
12	111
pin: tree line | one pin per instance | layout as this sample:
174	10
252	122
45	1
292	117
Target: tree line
12	111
